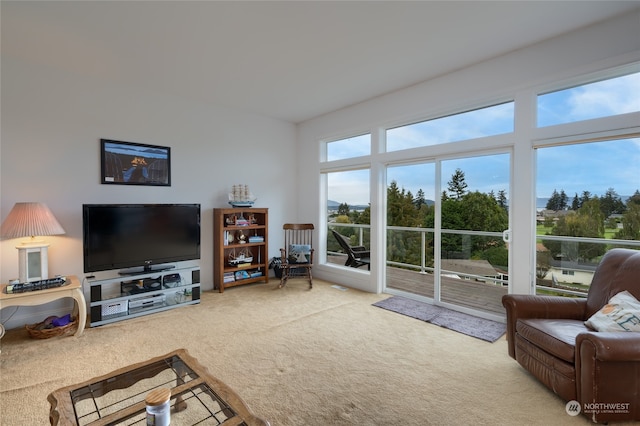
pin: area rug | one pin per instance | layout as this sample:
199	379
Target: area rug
470	325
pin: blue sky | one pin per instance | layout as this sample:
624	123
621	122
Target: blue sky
593	167
136	150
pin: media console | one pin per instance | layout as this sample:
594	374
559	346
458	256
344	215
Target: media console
114	297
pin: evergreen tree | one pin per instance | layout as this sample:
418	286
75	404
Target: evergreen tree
502	200
457	186
402	246
575	204
419	201
564	200
611	203
634	199
554	201
343	209
400	208
557	201
586	196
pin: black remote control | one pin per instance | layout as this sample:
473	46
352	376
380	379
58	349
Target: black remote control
35	285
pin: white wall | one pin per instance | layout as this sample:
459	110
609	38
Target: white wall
52	121
513	76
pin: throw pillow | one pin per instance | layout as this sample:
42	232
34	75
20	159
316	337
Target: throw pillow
622	313
299	253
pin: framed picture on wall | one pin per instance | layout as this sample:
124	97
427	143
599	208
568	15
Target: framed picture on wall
128	163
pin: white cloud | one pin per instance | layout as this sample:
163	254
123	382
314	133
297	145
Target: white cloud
610	97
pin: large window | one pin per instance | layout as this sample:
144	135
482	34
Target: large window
488	121
348	210
588	201
605	98
356	146
459	191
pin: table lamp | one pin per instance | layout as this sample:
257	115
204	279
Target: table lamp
31	220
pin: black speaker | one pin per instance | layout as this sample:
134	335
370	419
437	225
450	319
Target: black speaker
195	293
96	293
96	313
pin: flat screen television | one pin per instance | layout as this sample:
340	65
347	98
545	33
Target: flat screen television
136	238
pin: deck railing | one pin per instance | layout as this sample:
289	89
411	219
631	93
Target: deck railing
581	271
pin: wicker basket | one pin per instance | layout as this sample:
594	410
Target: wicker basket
45	333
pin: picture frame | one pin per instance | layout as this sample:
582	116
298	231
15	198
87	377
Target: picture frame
130	163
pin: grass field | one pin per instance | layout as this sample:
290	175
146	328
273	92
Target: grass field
609	233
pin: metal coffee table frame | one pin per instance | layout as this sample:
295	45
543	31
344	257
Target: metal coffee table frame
118	397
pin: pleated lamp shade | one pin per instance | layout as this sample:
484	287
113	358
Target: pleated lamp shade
30	220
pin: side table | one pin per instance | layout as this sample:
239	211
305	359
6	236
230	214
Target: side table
30	298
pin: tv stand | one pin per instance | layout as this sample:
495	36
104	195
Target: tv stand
145	270
117	296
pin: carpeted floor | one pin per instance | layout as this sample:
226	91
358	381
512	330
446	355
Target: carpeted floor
470	325
297	357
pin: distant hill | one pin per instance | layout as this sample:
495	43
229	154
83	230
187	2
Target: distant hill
333	205
541	203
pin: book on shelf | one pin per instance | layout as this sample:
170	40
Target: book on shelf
256	239
241	275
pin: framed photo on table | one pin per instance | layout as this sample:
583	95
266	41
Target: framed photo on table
129	163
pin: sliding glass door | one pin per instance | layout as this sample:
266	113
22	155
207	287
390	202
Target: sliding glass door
474	256
447	222
411	199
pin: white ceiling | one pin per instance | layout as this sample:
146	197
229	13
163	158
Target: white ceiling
288	60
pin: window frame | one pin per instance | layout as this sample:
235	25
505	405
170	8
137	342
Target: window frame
523	142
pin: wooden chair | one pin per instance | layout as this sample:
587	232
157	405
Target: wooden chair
357	256
297	254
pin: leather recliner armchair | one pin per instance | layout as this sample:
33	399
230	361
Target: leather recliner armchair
600	370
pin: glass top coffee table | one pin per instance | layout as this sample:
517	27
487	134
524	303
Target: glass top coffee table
118	397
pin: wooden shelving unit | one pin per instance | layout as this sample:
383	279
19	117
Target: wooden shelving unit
240	246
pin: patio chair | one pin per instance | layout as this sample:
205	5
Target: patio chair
357	256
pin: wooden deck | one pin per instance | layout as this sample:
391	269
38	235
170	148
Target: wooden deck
470	294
